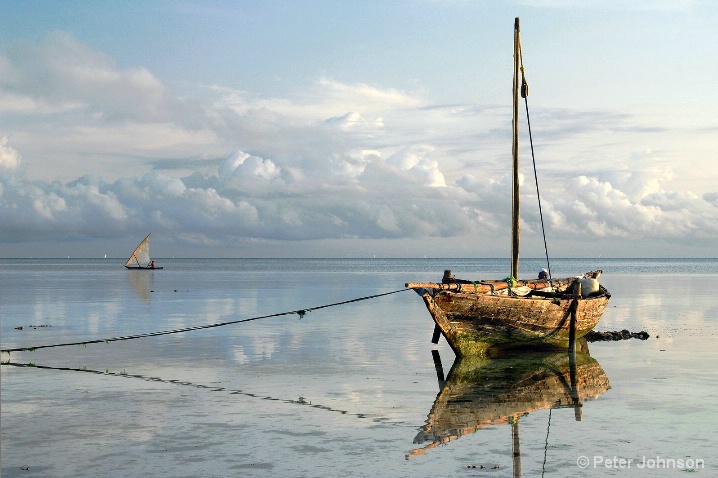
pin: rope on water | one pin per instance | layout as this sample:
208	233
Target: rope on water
300	312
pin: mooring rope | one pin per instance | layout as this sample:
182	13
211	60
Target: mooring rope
301	401
300	312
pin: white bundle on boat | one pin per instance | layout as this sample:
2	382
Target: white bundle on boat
589	283
520	291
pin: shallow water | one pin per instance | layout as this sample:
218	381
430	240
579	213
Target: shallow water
343	390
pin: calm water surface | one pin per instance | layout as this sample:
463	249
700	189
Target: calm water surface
343	390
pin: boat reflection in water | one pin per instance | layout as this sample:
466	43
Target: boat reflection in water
481	391
141	284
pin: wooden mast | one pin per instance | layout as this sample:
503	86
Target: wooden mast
515	152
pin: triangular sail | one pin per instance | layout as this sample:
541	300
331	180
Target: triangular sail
141	256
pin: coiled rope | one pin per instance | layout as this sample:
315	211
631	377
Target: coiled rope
300	312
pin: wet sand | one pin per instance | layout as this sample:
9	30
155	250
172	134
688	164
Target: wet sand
341	391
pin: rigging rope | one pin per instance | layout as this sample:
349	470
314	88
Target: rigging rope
300	312
545	448
524	95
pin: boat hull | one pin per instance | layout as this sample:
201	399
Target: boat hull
143	268
473	323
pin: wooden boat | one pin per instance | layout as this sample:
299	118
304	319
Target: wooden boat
481	391
474	316
140	258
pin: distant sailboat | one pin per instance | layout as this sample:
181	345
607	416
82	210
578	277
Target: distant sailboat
140	258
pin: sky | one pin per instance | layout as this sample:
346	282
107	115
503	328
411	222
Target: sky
356	128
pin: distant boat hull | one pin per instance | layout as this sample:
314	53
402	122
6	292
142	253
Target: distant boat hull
143	268
474	322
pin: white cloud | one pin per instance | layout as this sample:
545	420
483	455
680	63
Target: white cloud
354	122
387	201
366	96
243	165
64	74
9	157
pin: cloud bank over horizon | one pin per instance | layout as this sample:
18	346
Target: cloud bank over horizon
91	150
